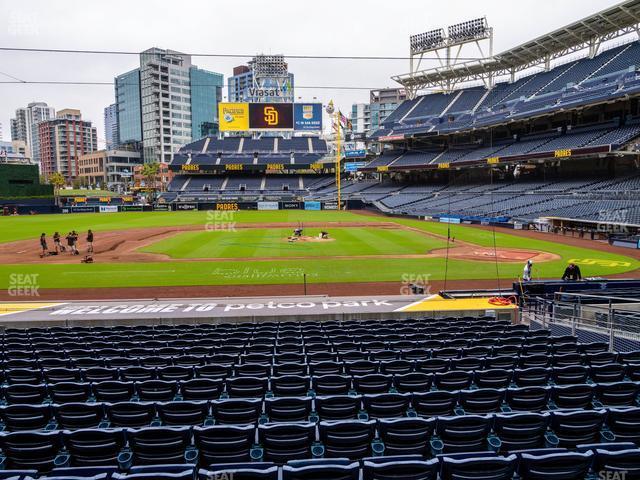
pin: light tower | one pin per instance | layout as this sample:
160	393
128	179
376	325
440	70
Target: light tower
447	48
271	72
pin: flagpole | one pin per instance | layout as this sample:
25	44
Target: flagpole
337	114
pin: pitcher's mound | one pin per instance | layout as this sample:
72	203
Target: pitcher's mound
305	238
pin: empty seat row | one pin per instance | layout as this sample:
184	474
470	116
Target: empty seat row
216	381
283	442
353	362
464	345
604	461
167	411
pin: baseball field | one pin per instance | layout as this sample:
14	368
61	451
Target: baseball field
240	248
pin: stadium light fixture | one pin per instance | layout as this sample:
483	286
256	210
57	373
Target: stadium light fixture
427	40
469	30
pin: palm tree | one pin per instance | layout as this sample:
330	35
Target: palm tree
58	181
150	173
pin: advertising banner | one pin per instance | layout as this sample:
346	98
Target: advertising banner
307	116
268	206
131	208
330	206
289	205
186	206
83	209
233	117
359	153
108	208
353	166
312	205
271	116
449	220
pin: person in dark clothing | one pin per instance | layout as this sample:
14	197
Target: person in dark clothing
43	245
71	241
90	241
56	242
75	242
572	272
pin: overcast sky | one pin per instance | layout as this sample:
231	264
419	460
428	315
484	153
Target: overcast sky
305	27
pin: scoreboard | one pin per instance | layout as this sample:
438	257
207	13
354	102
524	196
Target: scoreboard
247	117
271	116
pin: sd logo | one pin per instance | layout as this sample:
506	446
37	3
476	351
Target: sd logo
599	262
271	116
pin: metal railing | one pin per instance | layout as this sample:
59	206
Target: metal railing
590	317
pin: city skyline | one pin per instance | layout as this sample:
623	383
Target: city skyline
192	32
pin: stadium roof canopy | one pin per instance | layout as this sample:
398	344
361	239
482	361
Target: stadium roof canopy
590	32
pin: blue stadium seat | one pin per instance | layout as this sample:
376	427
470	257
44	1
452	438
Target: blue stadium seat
335	469
79	415
184	413
523	431
30	450
406	436
236	411
554	466
481	468
468	433
348	439
247	471
434	404
579	427
283	442
93	447
157	446
224	443
409	468
481	401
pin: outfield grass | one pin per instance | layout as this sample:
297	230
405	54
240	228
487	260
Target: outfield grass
31	226
256	243
317	269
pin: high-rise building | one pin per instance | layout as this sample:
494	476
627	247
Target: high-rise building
206	93
63	140
166	103
367	117
266	78
25	126
111	125
128	108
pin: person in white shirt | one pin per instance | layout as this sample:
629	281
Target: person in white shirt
526	274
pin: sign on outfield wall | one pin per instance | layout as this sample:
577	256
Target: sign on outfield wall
449	220
108	208
290	205
268	206
330	205
161	207
186	206
312	205
83	209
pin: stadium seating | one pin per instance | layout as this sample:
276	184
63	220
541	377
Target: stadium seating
448	398
609	74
